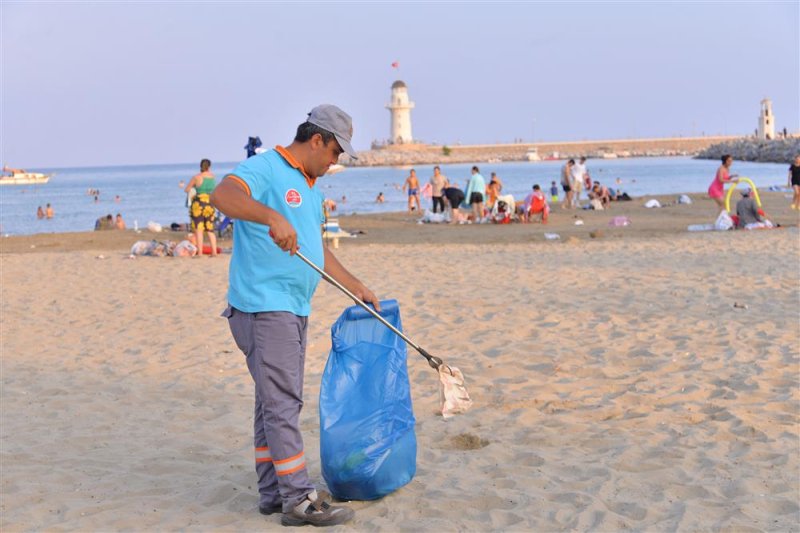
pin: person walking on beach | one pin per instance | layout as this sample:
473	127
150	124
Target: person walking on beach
475	189
412	184
566	184
269	300
794	181
201	212
438	184
553	192
578	172
716	191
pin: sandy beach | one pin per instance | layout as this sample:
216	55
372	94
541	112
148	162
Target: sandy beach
643	378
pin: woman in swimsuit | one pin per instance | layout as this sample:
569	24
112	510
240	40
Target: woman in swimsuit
716	191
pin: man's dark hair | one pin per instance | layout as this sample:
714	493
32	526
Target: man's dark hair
306	130
725	158
571	161
536	187
475	168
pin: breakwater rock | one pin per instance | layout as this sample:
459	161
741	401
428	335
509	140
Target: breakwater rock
418	154
750	149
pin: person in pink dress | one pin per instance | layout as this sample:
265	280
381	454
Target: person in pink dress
716	191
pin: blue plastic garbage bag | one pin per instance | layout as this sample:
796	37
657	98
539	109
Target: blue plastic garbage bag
367	443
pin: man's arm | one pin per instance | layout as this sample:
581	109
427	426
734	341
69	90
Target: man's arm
338	272
233	199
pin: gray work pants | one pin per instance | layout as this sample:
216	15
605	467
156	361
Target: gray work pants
275	346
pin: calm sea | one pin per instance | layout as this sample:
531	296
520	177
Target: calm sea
152	193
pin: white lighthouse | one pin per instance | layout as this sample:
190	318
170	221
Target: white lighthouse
766	121
400	108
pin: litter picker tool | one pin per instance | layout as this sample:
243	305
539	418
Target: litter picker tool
453	391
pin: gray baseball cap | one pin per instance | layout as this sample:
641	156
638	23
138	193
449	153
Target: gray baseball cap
331	118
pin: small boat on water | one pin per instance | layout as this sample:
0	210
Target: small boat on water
20	177
533	154
333	169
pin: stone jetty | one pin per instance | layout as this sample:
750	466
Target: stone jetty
419	154
752	149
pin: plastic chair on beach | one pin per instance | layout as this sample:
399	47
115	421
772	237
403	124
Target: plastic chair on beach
225	227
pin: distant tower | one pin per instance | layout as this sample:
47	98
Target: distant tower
400	107
766	120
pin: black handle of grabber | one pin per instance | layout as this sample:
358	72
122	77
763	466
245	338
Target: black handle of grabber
434	361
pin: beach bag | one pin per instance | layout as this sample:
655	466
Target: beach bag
368	448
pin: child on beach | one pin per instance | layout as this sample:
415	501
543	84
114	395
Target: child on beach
553	192
412	184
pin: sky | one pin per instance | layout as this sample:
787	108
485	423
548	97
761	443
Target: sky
115	83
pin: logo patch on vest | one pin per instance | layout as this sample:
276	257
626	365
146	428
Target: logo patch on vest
293	198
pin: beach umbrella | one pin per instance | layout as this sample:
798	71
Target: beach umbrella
453	394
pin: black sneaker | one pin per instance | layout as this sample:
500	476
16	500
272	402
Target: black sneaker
314	510
270	509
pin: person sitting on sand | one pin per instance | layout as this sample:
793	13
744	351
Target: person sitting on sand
535	204
104	223
748	213
600	193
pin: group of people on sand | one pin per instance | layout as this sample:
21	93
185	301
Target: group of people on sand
446	196
575	178
46	213
487	203
749	215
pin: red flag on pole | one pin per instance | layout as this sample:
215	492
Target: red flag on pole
395	64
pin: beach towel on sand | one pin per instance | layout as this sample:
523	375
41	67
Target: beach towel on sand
367	443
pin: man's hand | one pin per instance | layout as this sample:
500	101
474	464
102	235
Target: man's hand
367	296
283	234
